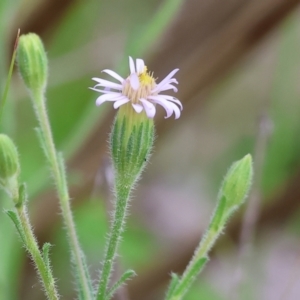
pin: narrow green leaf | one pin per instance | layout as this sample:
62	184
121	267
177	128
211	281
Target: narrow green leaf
126	276
45	251
22	195
14	217
172	285
217	219
186	282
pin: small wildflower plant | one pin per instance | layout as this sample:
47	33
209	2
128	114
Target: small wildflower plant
136	97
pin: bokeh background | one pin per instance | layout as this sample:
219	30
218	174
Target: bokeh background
239	83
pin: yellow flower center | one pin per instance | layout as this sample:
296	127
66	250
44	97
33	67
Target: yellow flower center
146	78
147	83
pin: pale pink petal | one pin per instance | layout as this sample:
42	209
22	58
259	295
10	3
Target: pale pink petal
108	97
105	91
134	81
167	97
166	105
166	87
131	65
160	87
176	110
149	108
106	83
110	85
114	74
137	107
165	100
118	103
140	66
168	79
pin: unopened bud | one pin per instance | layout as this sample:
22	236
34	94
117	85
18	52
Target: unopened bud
9	162
237	181
131	142
32	62
233	192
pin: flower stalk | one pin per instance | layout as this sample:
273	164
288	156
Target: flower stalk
131	142
32	62
9	173
62	190
232	194
27	235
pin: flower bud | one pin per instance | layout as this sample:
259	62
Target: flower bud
131	143
32	62
237	181
9	167
233	192
9	162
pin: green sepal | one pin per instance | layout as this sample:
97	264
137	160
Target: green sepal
22	195
218	216
45	251
131	143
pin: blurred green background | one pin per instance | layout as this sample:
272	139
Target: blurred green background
239	84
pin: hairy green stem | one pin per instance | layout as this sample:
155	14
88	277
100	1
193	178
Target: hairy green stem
32	247
63	194
122	197
196	265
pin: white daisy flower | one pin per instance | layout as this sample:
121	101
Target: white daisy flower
140	89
